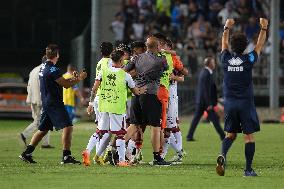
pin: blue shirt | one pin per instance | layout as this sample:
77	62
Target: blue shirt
237	83
51	92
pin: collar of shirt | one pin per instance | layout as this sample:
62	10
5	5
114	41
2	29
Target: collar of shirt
210	71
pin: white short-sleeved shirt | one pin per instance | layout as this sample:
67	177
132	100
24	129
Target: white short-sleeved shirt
128	79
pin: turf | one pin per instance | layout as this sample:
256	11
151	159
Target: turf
198	170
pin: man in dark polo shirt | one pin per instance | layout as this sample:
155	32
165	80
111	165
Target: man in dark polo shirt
54	113
146	108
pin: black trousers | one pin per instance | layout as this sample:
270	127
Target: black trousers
212	116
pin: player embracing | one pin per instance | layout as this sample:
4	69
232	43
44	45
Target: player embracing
106	49
113	83
240	112
172	133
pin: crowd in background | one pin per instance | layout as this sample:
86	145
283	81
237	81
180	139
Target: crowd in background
192	24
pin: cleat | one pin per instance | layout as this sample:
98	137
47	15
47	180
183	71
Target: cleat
137	159
161	163
69	160
86	158
176	160
250	173
220	168
98	160
123	164
23	139
184	154
27	158
47	146
108	157
115	156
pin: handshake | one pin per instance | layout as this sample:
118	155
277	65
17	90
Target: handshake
262	21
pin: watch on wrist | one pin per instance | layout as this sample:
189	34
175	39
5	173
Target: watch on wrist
226	28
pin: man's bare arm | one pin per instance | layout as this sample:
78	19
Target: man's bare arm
66	83
262	35
225	36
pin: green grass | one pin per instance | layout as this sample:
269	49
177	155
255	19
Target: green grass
198	170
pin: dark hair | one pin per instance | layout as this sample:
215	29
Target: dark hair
169	43
123	47
238	42
106	48
161	37
137	44
51	51
116	55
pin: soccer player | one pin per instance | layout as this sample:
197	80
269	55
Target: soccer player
163	92
146	108
105	48
113	83
137	47
54	113
35	100
172	134
69	94
134	152
240	112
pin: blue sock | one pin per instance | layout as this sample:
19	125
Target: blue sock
249	152
227	143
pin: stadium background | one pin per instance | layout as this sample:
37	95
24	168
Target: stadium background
195	27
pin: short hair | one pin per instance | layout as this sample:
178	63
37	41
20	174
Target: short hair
51	51
238	42
116	55
152	42
207	60
137	44
106	48
169	42
161	37
123	47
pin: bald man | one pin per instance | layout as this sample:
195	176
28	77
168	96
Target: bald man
146	108
206	99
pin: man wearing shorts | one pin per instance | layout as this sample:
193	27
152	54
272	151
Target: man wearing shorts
146	108
240	112
113	83
54	113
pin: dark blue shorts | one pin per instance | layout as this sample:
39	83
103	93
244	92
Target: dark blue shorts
54	116
240	116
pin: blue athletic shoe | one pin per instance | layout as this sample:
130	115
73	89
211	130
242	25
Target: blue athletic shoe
250	173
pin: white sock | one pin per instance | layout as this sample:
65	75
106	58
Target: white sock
98	145
173	143
165	147
93	141
130	146
103	144
120	146
178	137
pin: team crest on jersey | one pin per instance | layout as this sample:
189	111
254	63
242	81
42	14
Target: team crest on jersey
235	65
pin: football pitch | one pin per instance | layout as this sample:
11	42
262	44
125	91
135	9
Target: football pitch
197	171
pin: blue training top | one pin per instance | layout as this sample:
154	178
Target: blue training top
237	83
51	92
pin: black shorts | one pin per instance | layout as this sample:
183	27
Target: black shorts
54	116
240	116
145	110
